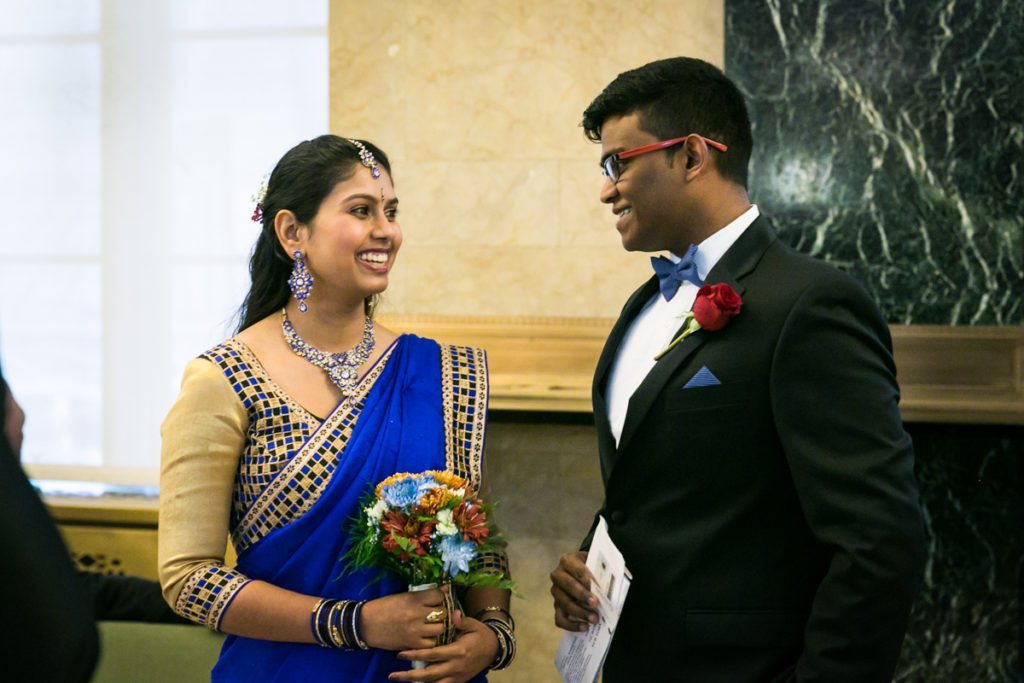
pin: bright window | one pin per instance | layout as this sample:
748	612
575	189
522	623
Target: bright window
134	135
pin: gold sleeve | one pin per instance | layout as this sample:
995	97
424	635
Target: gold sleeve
203	437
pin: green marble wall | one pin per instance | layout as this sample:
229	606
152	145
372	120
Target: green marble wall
889	140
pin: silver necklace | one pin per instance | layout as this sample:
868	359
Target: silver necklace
342	368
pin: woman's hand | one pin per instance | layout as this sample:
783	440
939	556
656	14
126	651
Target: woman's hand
474	649
399	621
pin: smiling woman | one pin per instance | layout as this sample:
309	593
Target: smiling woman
279	432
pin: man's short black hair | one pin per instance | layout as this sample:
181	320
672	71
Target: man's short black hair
676	97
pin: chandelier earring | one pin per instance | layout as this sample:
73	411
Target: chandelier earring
300	282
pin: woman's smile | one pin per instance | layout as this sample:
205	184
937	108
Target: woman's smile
375	260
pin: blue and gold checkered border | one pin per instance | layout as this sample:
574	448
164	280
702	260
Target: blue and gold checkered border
464	394
278	425
303	479
464	387
207	593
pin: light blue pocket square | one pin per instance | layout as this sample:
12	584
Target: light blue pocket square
703	378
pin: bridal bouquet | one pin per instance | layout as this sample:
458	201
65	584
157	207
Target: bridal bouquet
427	528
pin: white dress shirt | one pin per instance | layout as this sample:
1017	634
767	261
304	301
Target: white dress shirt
655	325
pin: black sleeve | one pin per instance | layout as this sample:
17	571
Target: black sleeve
48	629
127	598
835	401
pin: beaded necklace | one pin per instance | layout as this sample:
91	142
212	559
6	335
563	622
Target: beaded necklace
342	368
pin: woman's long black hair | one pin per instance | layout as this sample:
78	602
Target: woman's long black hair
304	176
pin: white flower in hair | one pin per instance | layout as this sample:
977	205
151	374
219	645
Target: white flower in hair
260	197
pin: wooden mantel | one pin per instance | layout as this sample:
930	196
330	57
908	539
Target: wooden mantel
947	374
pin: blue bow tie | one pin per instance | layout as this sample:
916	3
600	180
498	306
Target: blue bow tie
671	275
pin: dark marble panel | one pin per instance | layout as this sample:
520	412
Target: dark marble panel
964	626
888	140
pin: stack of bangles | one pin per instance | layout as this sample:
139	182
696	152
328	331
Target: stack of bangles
335	623
500	621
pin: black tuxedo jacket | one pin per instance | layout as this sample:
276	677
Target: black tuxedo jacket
48	629
771	522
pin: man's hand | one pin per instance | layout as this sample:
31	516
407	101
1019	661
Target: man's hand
14	421
575	605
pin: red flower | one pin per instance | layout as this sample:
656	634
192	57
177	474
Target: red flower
716	305
472	522
409	527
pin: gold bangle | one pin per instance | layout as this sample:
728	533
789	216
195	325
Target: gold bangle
496	608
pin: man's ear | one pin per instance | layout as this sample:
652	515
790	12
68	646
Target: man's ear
697	157
290	233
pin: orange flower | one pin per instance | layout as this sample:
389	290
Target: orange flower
435	499
449	479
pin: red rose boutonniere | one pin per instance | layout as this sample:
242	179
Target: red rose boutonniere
713	308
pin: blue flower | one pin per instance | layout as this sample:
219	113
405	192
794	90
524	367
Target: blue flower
426	485
456	554
401	494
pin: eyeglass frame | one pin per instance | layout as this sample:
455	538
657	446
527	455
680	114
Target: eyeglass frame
610	164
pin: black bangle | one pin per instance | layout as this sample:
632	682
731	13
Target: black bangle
506	643
339	638
349	620
320	622
343	626
335	623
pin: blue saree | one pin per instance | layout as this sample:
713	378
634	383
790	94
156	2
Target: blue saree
413	411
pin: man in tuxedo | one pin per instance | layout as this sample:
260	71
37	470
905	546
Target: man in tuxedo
757	477
49	633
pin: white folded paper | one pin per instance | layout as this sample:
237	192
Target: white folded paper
581	655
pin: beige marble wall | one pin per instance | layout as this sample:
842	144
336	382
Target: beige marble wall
478	103
546	483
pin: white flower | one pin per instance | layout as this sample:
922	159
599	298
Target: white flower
445	525
460	493
375	512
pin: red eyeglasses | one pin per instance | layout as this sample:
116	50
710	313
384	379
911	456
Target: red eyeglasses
611	165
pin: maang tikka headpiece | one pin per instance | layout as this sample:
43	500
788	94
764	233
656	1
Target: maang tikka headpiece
259	198
366	157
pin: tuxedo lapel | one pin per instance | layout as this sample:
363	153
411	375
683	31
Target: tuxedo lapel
744	254
741	258
635	303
